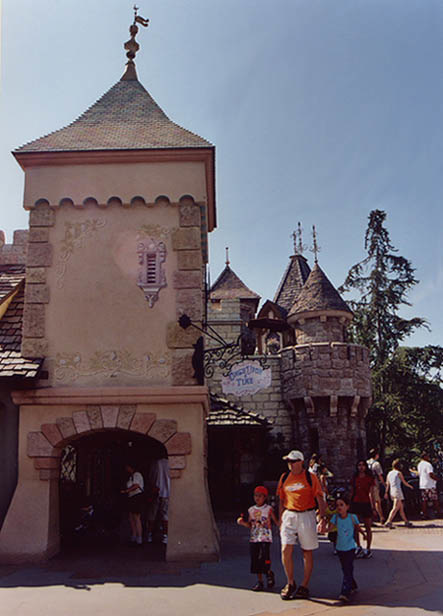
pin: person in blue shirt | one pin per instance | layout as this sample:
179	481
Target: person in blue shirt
347	525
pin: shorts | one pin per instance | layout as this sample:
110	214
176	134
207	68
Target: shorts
301	524
260	557
429	494
361	510
376	493
136	504
158	509
398	494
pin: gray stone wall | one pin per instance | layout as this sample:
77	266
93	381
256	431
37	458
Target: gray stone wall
225	319
316	330
325	369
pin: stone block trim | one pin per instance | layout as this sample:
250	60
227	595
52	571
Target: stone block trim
45	447
163	429
39	234
179	338
189	214
36	294
189	259
187	238
142	422
39	257
190	279
182	368
35	275
190	302
42	216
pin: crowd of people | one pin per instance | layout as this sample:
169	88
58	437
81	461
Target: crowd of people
308	507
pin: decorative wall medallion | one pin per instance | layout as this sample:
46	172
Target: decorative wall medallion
75	235
151	274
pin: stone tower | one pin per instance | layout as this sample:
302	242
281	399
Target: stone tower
326	380
121	202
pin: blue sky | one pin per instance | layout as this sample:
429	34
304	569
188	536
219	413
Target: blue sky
320	111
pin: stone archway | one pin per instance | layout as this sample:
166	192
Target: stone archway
45	446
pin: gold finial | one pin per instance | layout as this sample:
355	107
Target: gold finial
132	46
315	247
227	256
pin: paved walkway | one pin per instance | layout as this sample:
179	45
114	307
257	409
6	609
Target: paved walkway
404	577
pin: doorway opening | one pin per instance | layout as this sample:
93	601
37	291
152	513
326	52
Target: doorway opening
93	512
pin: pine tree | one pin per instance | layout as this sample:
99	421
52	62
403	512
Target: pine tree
383	280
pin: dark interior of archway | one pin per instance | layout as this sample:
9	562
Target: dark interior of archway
92	474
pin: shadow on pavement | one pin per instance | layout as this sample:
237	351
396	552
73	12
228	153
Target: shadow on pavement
393	578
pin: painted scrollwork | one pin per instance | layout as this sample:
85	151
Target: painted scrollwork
75	236
71	366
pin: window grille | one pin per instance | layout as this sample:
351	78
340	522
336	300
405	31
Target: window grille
68	468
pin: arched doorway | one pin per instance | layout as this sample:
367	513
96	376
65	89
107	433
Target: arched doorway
92	473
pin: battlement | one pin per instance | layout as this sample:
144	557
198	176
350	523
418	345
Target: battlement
15	253
326	369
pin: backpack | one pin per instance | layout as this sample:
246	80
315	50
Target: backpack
307	473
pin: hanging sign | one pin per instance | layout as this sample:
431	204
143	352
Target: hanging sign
246	378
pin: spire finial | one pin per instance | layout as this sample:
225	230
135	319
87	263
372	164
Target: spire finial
227	255
132	46
315	247
297	237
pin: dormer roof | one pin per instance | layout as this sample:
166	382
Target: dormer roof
318	295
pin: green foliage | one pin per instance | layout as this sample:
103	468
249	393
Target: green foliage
407	409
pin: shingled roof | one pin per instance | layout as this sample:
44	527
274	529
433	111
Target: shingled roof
292	282
318	295
126	117
12	363
225	413
229	286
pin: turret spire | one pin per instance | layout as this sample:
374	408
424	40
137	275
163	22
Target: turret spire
132	46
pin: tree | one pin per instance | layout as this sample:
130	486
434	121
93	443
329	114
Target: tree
383	280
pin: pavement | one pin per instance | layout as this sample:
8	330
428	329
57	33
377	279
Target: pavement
404	577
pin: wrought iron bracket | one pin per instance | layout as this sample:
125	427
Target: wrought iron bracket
224	356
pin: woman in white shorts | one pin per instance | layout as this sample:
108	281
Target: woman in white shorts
393	488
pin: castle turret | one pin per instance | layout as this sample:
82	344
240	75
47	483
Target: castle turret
325	380
319	314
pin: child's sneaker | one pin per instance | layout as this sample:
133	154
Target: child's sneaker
259	586
344	598
367	554
270	579
359	552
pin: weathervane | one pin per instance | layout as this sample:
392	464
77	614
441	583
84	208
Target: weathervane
132	46
297	237
227	255
315	247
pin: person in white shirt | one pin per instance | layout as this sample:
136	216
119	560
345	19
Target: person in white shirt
427	485
375	466
160	485
134	490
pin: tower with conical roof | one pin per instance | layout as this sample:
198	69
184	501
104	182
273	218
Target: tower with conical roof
325	379
121	201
